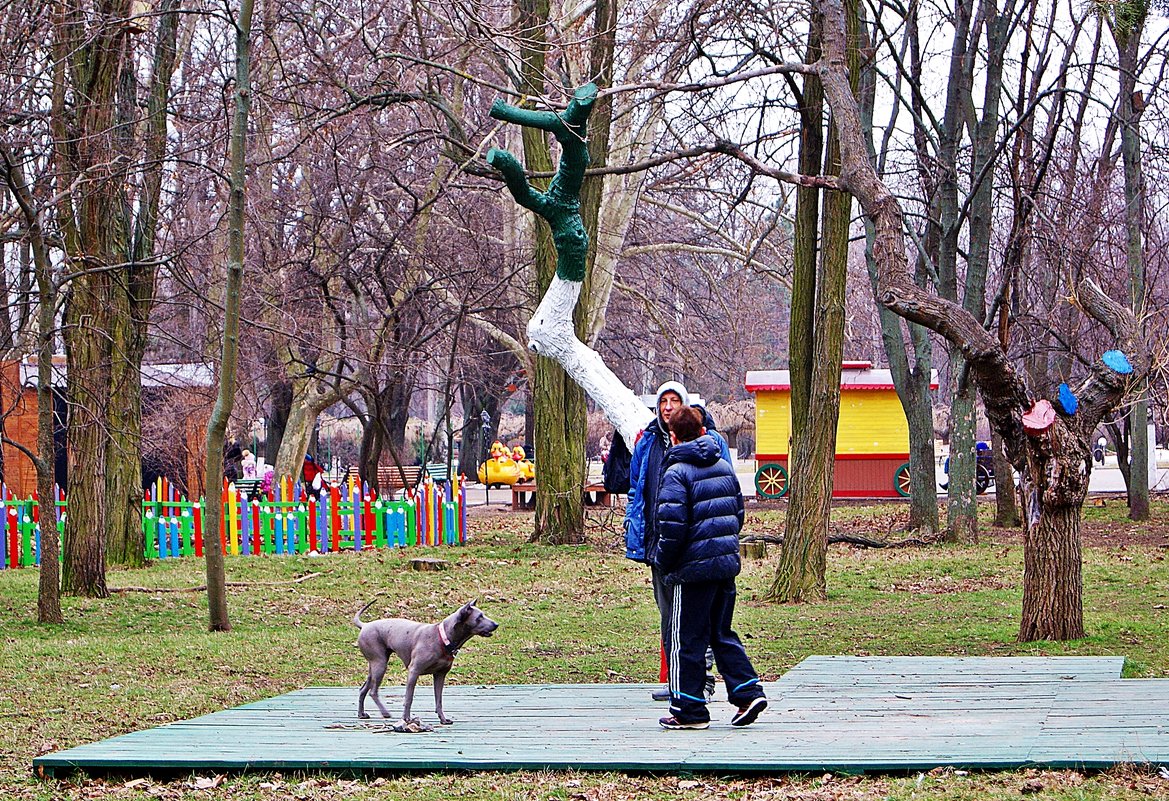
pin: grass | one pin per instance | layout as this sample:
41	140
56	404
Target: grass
572	614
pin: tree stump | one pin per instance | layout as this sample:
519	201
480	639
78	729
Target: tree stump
753	549
428	563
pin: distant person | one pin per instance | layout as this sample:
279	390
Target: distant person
313	475
248	464
232	455
646	464
699	515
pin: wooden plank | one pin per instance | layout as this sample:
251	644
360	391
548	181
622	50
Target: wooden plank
849	718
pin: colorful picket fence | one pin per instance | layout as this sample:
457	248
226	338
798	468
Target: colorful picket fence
285	521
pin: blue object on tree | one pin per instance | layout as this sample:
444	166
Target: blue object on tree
1068	400
1117	362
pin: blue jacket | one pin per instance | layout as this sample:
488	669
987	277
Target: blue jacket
646	464
699	514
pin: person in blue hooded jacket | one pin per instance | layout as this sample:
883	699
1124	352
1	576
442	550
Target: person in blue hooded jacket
646	464
699	514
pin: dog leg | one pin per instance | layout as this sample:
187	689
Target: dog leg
439	681
411	680
361	700
377	672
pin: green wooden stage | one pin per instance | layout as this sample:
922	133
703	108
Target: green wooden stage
829	713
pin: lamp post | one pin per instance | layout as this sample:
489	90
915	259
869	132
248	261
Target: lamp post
485	431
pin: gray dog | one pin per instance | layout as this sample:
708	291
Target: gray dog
424	648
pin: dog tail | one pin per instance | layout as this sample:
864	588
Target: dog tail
357	618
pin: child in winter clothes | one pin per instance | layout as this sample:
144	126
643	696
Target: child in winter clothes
699	514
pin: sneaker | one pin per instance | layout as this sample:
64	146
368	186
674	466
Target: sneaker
661	695
708	688
672	722
747	714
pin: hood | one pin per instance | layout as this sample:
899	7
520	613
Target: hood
669	386
703	452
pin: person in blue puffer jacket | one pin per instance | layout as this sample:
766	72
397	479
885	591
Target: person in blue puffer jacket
646	463
699	515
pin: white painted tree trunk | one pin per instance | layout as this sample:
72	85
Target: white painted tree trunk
551	334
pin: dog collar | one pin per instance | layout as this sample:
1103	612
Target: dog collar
446	642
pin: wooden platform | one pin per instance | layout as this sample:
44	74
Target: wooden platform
839	714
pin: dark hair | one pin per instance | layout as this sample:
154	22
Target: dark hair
686	423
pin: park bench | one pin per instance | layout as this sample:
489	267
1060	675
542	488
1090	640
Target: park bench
248	487
438	472
523	495
391	478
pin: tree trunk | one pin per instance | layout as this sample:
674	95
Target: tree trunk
1006	512
919	414
279	407
913	383
87	355
217	425
560	456
133	292
1127	26
800	575
49	586
1052	581
962	498
298	430
127	544
91	208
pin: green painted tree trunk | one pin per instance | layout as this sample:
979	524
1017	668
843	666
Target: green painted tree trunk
561	251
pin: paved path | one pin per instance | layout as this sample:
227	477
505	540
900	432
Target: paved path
1104	479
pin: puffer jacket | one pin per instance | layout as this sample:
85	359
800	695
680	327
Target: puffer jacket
699	515
646	464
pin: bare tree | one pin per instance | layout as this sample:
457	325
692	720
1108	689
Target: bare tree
1055	461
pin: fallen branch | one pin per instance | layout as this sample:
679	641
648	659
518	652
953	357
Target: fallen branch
203	587
32	713
850	539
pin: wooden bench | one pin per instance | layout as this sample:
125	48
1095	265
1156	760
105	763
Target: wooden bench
594	495
391	477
